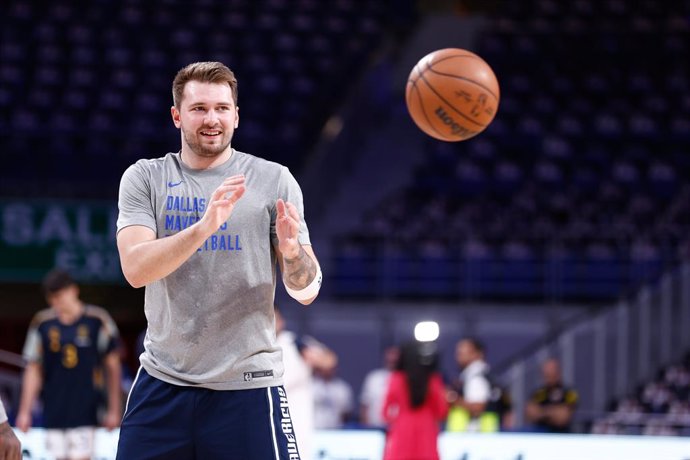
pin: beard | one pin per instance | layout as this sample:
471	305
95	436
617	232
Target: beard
207	151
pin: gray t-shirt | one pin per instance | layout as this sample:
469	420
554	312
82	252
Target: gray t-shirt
211	321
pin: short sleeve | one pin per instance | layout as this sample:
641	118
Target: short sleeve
3	414
367	394
33	349
108	334
477	390
134	202
290	191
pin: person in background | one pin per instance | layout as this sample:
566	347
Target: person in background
374	390
10	447
301	356
551	406
415	404
470	394
333	400
72	352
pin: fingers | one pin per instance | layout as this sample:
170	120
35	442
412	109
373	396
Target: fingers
286	209
293	211
227	194
230	190
236	179
237	194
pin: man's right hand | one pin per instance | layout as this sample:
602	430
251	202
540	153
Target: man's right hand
222	202
146	258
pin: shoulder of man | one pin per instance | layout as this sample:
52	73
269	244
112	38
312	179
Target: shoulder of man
101	314
570	396
42	316
539	394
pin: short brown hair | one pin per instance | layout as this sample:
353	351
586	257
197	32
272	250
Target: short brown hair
205	72
56	280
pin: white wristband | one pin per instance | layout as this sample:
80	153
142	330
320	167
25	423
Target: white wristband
309	291
3	415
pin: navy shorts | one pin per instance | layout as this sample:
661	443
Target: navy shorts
164	421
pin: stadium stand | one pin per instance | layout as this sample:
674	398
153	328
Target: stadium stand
84	90
578	190
659	407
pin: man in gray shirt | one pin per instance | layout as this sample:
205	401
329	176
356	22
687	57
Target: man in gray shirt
203	229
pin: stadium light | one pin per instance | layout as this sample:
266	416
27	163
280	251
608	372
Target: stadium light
426	331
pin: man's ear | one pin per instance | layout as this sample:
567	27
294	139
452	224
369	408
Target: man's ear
175	116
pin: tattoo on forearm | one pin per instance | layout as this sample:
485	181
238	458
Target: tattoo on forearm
300	271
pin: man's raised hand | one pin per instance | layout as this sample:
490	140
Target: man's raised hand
223	201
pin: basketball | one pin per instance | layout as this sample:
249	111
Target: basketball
452	94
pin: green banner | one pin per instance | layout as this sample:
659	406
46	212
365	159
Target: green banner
38	235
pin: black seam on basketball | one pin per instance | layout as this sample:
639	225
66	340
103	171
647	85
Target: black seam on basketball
421	104
445	58
464	78
450	105
411	78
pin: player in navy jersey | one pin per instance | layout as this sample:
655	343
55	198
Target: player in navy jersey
72	356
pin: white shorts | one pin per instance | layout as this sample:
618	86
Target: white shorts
71	443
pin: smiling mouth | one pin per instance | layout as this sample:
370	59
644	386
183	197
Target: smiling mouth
211	133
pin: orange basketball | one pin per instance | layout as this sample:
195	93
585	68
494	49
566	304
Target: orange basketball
452	94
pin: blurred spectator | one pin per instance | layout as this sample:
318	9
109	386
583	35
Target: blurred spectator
333	399
628	411
551	407
374	390
656	398
301	355
679	413
415	404
471	393
658	427
659	407
605	427
678	379
68	346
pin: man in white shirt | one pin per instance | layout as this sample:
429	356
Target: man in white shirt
374	390
301	355
333	398
473	393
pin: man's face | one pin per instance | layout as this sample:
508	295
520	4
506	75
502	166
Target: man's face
551	372
207	118
391	356
64	299
465	353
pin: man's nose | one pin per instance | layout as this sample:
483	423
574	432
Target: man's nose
211	116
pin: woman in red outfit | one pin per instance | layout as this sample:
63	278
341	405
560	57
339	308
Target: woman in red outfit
415	405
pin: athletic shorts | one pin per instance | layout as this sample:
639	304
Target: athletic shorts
70	442
164	421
